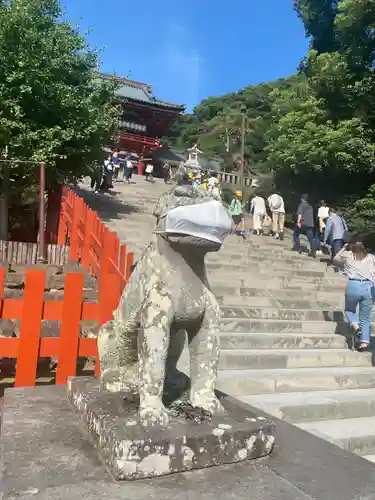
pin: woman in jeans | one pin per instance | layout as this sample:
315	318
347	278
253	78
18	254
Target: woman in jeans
359	267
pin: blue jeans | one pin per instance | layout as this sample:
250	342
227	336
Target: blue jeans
360	293
336	246
309	231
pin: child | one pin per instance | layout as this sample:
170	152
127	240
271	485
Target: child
236	211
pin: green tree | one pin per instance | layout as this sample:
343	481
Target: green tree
361	215
324	142
53	105
319	16
216	124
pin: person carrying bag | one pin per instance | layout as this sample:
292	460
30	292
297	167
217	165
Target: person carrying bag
359	267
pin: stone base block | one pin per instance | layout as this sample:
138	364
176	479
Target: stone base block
130	451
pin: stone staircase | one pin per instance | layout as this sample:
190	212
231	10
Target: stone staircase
284	341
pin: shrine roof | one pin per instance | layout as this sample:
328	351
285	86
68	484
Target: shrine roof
140	92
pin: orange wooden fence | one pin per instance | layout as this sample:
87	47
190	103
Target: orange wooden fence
32	309
96	248
91	241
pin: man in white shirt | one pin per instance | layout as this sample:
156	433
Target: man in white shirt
276	204
258	209
148	171
128	169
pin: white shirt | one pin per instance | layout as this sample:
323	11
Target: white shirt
258	206
276	203
108	165
323	212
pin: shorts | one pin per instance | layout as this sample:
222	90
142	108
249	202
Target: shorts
237	218
128	172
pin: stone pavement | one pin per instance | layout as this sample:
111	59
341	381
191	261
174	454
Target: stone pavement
284	342
46	456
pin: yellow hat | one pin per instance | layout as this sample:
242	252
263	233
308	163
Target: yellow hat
190	175
238	193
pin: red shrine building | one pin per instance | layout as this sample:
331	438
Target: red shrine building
145	118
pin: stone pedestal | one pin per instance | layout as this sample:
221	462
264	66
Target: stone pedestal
130	451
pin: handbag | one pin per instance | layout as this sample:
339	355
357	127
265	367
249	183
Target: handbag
267	221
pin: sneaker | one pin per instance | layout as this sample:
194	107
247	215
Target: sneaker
277	236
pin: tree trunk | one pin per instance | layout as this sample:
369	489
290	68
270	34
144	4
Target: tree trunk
4	202
53	213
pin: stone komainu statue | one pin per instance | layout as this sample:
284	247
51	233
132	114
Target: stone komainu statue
168	292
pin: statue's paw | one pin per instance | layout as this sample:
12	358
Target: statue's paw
209	403
154	415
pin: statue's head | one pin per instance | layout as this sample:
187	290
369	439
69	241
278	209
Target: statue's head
189	215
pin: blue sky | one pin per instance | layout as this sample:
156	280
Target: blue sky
191	49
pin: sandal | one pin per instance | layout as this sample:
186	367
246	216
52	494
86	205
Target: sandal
356	332
362	347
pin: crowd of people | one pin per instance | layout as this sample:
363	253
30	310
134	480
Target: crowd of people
325	228
260	214
115	169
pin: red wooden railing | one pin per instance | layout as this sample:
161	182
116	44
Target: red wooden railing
32	309
142	140
99	250
91	241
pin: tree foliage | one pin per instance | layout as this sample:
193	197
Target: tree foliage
326	143
53	106
215	123
362	213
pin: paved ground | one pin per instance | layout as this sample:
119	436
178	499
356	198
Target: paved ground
46	456
127	209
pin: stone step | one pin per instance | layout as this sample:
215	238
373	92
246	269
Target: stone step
287	303
276	313
274	283
282	341
259	259
316	405
225	290
247	276
241	325
246	359
259	270
356	435
246	382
